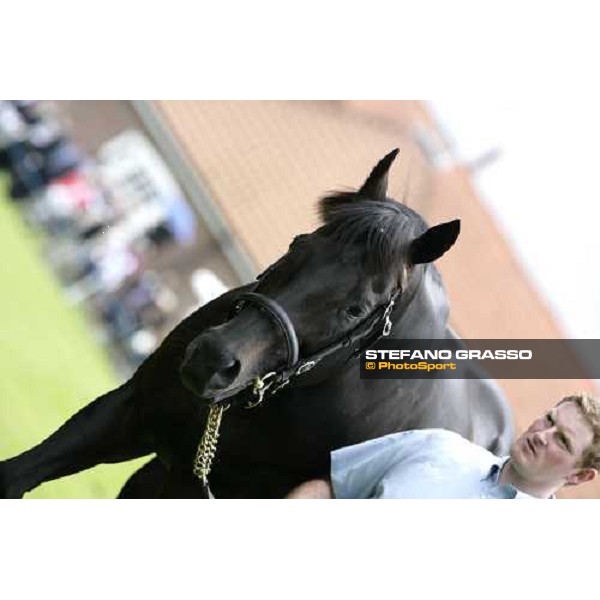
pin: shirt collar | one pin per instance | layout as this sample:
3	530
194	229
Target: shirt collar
494	474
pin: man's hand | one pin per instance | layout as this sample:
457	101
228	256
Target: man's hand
315	489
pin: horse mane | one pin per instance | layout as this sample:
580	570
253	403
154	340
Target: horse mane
385	227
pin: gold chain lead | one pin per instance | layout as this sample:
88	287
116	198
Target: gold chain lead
207	447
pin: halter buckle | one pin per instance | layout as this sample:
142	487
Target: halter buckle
307	366
387	327
259	387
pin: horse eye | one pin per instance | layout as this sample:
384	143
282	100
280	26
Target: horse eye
355	311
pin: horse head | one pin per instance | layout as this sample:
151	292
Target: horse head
332	287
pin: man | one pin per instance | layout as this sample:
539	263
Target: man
560	448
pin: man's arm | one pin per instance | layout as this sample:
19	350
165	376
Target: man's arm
357	470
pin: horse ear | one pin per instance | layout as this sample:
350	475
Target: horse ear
375	187
435	242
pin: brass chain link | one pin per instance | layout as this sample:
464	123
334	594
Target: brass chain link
207	447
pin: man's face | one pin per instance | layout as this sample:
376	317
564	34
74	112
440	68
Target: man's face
552	447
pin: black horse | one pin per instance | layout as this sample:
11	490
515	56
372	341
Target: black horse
302	323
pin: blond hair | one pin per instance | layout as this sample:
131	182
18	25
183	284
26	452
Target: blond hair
590	409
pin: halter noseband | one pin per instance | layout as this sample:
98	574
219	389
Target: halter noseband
279	316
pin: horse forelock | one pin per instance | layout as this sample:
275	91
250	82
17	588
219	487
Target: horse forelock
384	228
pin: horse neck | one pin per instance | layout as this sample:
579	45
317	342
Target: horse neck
424	313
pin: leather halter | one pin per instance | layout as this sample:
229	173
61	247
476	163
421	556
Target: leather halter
296	366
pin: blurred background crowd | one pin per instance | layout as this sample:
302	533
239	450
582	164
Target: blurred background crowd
108	220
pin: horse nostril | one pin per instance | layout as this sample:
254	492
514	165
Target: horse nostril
230	371
221	369
208	366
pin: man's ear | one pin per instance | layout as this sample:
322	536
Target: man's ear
582	476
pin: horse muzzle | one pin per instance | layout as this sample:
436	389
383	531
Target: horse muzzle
219	362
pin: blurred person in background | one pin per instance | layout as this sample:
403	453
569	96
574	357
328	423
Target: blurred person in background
34	148
137	313
16	154
107	266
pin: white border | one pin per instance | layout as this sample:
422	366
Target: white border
314	50
280	549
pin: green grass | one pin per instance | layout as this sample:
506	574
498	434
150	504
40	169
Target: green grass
50	364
